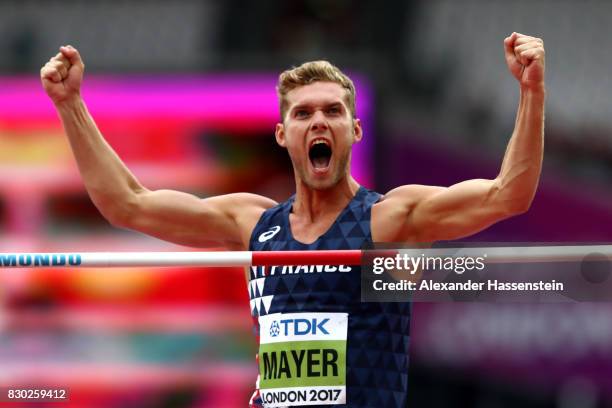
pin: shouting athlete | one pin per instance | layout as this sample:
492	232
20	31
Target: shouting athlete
319	345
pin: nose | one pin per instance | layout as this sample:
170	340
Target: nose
318	121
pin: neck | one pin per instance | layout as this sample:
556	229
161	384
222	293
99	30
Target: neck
311	203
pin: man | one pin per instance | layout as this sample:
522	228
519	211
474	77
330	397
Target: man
319	345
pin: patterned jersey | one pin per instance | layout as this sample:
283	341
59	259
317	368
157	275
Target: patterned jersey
319	345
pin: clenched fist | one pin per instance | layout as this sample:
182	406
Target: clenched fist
525	59
62	75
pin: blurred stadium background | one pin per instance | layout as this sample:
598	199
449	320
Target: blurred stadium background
184	91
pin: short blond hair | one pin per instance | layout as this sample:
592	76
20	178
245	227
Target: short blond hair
310	72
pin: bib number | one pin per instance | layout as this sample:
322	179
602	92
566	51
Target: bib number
302	358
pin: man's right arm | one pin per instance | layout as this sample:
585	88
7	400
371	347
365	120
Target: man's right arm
169	215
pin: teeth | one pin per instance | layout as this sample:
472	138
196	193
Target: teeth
316	142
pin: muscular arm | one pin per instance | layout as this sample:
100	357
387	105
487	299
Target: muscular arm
170	215
438	213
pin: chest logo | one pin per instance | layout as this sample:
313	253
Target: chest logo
269	234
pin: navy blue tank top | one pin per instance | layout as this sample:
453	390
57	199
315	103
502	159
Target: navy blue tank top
319	345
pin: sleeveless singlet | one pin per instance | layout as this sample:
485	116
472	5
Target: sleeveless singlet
319	345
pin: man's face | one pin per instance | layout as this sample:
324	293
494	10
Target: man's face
318	132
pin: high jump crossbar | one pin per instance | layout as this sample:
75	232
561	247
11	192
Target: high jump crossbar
315	257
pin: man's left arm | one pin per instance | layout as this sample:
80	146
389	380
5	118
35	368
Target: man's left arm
438	213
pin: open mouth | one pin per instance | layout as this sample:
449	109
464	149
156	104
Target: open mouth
320	154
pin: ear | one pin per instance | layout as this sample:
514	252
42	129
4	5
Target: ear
279	133
357	131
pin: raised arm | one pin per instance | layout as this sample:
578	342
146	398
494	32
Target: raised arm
439	213
169	215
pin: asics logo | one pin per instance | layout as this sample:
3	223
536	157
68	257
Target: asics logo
269	234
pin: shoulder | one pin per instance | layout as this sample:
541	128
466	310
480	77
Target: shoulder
391	212
245	209
238	203
252	204
251	200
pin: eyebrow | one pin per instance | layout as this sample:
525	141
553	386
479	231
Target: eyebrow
334	105
298	107
308	106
